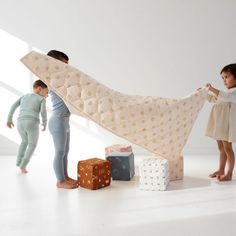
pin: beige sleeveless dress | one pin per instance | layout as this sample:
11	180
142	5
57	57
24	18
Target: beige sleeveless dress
222	121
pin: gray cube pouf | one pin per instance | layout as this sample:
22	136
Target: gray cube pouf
122	165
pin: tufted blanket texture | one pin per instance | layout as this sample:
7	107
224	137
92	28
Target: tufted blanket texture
160	125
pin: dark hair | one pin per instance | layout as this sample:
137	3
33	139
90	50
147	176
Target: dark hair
231	68
39	83
58	55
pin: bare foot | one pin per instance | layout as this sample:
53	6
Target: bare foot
66	185
71	181
226	177
216	174
23	170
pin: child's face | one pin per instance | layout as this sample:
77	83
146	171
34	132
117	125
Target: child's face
229	80
43	92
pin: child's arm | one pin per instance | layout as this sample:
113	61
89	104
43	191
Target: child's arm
224	96
11	113
212	89
43	112
211	98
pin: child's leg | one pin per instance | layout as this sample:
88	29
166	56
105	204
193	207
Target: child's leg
59	135
222	162
24	141
32	129
67	147
60	160
61	140
230	161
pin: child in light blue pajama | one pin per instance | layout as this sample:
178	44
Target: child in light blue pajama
31	105
59	128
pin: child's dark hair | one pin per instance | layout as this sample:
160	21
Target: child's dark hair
231	68
58	55
39	83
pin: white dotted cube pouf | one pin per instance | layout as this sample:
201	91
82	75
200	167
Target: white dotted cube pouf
154	174
176	167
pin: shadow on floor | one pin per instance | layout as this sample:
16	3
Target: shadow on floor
188	183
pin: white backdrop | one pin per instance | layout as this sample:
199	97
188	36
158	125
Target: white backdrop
166	48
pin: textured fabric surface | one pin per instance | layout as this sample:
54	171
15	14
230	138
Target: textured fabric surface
154	174
160	125
122	165
118	148
94	173
176	167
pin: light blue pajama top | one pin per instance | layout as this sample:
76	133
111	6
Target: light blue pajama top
59	108
31	105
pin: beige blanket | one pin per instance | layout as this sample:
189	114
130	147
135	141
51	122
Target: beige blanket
160	125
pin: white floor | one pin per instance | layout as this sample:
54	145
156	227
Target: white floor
31	205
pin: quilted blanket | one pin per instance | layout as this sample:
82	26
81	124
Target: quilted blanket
160	125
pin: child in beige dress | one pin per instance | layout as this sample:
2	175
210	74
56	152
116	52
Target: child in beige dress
222	122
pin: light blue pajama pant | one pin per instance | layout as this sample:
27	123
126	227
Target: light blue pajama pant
29	132
60	131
